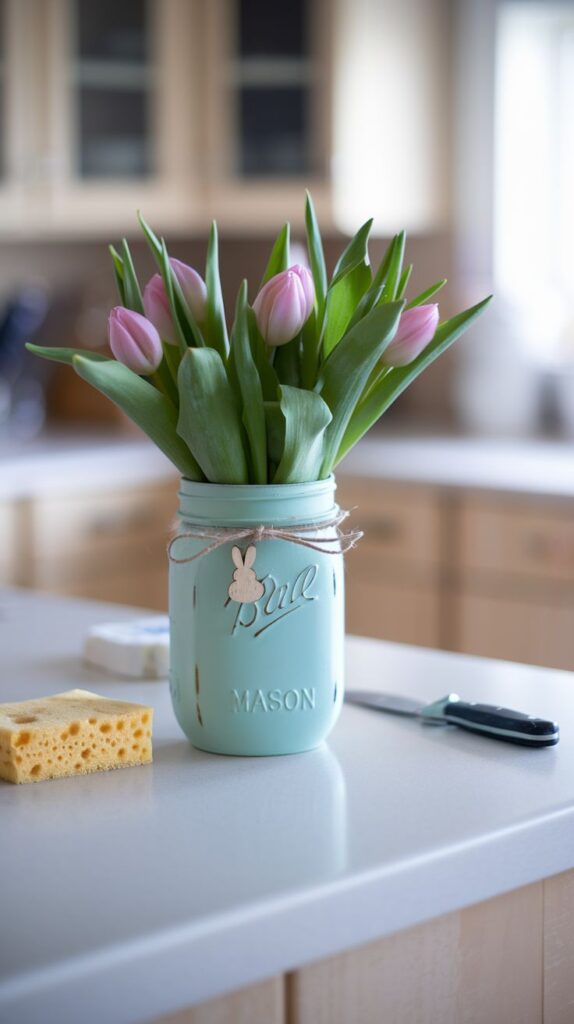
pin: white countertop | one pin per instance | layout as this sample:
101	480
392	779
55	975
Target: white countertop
533	467
64	462
130	894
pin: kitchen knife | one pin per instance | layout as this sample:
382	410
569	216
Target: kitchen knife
487	719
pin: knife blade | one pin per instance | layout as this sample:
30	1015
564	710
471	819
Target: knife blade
487	719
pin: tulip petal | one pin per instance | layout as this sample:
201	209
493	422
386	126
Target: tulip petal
416	330
134	341
284	304
157	310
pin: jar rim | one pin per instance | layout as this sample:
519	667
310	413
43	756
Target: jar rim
194	488
242	504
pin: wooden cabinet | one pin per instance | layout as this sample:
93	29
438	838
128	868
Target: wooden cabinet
165	106
508	959
393	576
258	1004
524	540
109	546
513	593
490	575
393	610
194	109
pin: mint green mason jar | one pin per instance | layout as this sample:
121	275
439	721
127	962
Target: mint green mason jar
257	633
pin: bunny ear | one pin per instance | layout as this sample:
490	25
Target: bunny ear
250	556
236	556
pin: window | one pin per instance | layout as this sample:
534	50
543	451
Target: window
534	169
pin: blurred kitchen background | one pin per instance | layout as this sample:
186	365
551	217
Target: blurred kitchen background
451	118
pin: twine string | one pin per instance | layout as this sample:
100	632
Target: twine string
306	535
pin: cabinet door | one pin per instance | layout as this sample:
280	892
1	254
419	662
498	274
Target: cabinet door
530	542
268	99
98	123
515	593
534	632
392	577
481	965
393	610
108	547
259	1004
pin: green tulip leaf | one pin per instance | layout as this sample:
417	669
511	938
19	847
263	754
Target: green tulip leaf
118	265
357	252
132	289
187	329
373	294
310	352
306	418
392	384
275	424
393	276
316	258
250	391
260	353
427	294
345	372
170	283
403	282
286	363
144	404
342	301
209	420
279	258
65	355
216	328
151	238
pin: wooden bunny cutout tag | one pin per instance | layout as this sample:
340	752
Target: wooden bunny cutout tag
246	588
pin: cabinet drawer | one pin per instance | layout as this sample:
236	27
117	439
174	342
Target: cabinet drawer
524	631
393	611
401	525
97	535
530	541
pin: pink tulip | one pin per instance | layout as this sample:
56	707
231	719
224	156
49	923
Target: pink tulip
157	309
284	304
193	288
156	302
416	329
134	341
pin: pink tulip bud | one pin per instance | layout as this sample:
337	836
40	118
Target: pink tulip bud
416	329
156	302
284	304
156	305
134	341
193	288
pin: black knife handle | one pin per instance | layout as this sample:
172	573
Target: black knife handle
502	723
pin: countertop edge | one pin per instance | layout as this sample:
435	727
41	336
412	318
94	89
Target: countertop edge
276	936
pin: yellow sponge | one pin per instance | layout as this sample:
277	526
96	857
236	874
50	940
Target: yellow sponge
72	733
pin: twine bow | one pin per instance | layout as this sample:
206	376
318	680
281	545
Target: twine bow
306	535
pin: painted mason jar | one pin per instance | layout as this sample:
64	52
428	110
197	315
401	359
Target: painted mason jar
257	625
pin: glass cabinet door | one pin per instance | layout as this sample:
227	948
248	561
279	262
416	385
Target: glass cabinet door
272	77
111	81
